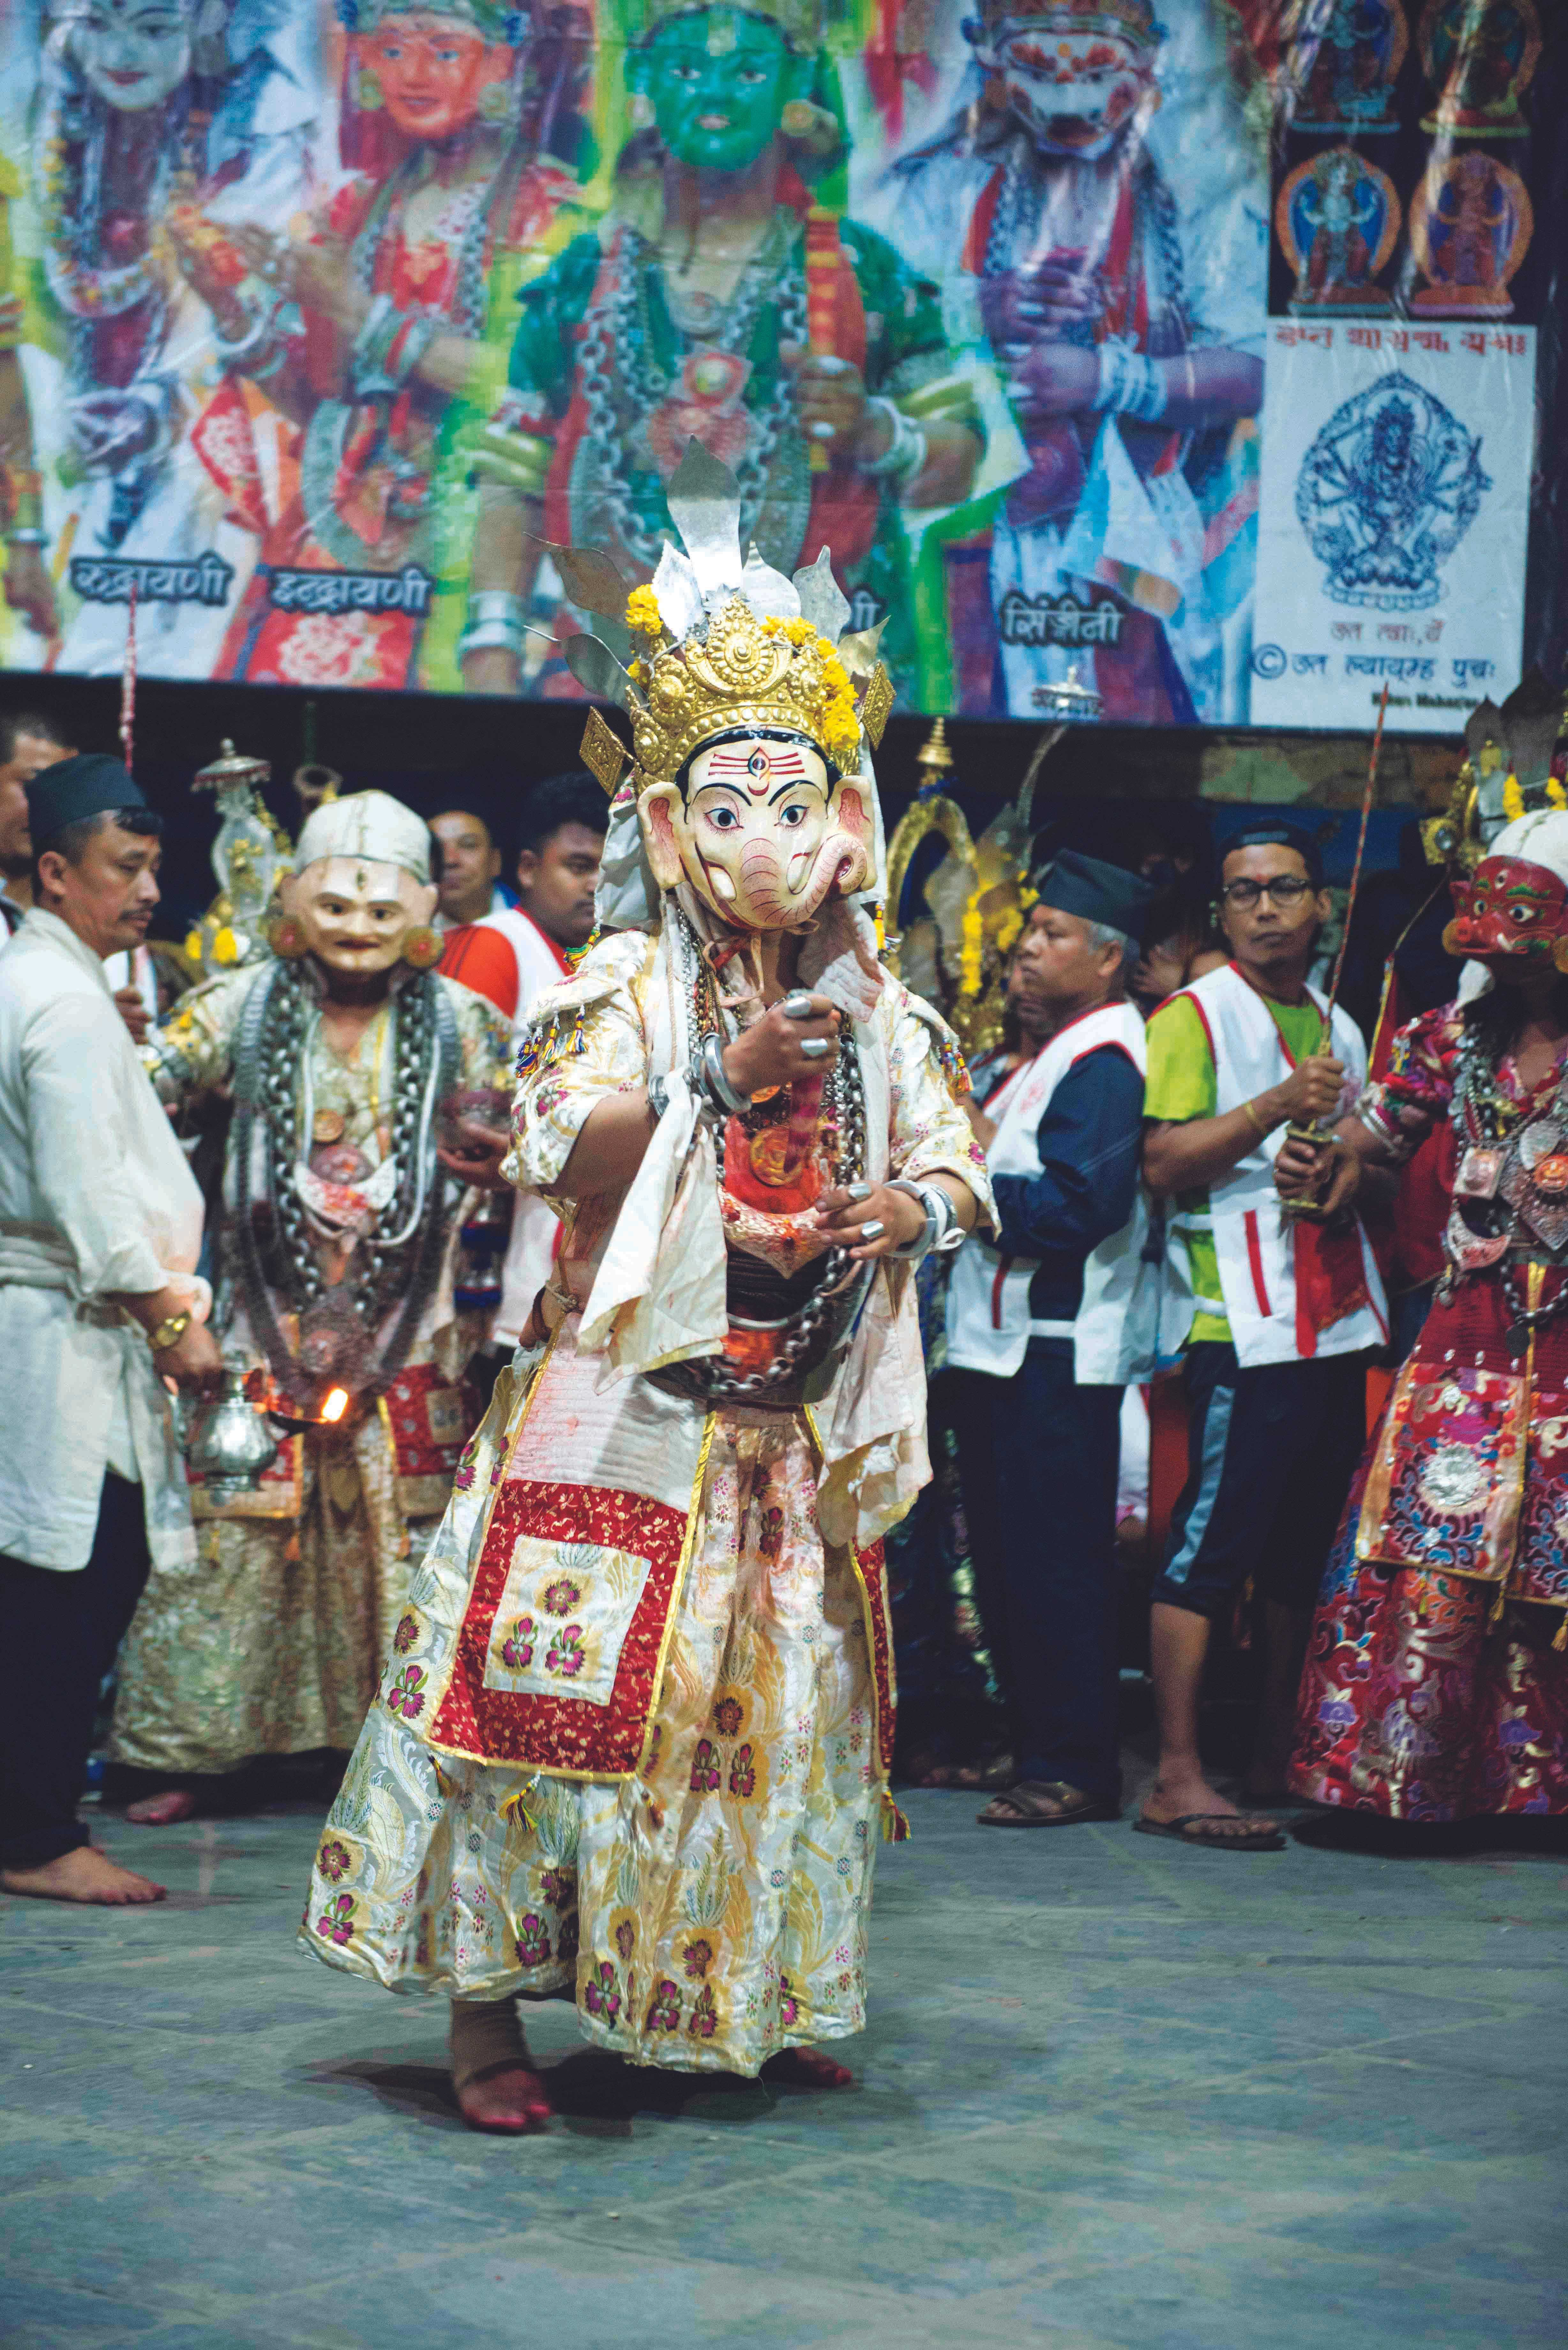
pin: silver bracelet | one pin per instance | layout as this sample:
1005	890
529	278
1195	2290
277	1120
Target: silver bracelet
658	1090
481	636
905	455
716	1083
426	326
1131	383
943	1232
367	368
255	338
496	604
27	535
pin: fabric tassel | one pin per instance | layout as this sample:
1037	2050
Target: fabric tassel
895	1825
517	1806
1561	1642
1498	1605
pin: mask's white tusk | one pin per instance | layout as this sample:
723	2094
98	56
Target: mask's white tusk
721	883
795	872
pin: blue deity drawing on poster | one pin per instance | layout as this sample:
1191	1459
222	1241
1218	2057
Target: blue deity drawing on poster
1386	493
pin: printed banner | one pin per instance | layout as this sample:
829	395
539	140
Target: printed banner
1396	484
320	325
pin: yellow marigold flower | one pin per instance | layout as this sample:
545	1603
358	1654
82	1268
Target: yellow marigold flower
193	945
226	946
642	613
841	736
799	633
640	671
1512	799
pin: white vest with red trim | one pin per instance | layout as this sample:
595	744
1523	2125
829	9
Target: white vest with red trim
1254	1245
989	1322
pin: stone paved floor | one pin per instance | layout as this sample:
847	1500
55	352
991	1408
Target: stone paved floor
1113	2093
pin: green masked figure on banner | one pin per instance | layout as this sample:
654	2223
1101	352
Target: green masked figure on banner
372	336
726	299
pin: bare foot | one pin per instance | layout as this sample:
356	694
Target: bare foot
1191	1796
807	2068
162	1810
84	1875
506	2099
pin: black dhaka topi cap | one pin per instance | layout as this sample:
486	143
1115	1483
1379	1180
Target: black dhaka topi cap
1095	893
73	790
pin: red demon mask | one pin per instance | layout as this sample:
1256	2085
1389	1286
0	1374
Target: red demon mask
1508	906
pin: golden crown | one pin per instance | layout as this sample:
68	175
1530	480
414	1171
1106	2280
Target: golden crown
747	671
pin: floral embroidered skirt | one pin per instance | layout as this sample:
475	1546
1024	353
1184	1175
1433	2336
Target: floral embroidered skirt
270	1641
1429	1693
706	1913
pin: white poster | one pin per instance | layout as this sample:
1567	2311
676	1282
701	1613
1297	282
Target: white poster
1394	502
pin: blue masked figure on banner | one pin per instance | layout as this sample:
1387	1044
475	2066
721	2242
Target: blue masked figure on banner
1131	325
728	300
371	335
148	107
1354	61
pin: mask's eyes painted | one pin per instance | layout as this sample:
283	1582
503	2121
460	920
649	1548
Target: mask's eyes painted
752	75
1524	914
722	817
795	814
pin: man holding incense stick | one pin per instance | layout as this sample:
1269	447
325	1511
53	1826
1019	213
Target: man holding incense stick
1281	1313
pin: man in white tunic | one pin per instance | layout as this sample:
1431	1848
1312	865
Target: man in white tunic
100	1226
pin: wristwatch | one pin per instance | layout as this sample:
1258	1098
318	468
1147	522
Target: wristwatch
168	1332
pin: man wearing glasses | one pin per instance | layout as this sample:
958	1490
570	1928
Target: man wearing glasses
1281	1313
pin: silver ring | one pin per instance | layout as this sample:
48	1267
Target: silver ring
815	1048
797	1005
874	1230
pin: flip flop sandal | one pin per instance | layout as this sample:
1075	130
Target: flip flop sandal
1246	1840
1075	1805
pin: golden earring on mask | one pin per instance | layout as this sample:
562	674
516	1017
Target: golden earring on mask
423	946
1560	954
1451	940
641	110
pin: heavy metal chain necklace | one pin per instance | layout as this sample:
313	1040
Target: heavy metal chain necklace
1514	1168
402	1252
618	371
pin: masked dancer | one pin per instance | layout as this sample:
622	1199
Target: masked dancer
633	1739
373	335
716	302
336	1218
1435	1685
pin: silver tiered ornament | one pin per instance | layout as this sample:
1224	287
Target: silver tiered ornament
1068	698
247	858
